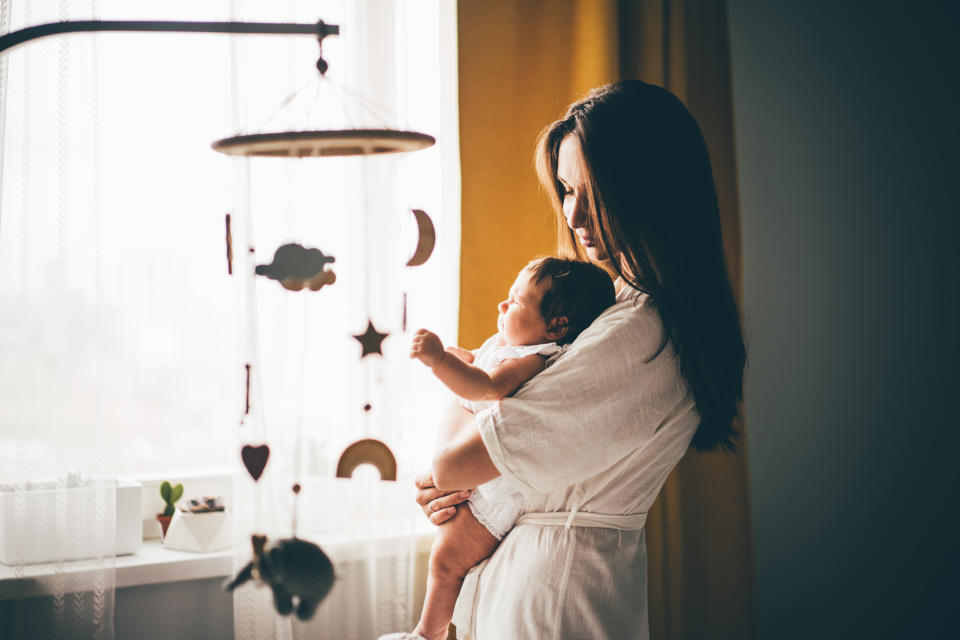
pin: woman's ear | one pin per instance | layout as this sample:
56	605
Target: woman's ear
557	328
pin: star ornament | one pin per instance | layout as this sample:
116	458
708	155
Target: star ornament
372	340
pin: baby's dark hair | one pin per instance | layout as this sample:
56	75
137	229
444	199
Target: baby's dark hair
579	291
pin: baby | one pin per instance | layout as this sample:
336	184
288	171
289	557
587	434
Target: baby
550	303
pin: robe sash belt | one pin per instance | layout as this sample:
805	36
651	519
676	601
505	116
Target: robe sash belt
464	615
629	522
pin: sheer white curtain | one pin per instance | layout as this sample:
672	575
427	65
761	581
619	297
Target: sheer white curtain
57	510
123	340
313	394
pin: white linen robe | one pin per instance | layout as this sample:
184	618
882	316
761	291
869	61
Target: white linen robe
598	431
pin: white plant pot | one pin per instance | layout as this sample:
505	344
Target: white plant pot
200	532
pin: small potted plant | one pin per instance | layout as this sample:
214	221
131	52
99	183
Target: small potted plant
201	525
170	495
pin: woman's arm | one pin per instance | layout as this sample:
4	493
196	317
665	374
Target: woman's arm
461	459
439	498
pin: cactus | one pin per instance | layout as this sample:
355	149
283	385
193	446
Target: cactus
170	495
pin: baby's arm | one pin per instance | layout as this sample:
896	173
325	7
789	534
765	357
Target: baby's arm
470	382
463	354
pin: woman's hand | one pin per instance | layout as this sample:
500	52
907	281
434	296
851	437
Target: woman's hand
439	506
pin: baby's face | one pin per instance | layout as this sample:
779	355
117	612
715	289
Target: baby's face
520	322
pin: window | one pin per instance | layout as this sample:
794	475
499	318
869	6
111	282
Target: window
123	340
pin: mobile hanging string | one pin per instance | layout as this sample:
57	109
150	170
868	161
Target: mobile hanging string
296	506
322	65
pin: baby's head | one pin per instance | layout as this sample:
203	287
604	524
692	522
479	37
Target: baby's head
553	300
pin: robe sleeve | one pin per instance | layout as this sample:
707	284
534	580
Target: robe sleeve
598	402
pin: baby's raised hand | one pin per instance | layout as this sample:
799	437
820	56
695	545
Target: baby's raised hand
427	347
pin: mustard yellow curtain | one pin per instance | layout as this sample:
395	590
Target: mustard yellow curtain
521	62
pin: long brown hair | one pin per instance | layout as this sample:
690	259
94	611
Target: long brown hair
653	203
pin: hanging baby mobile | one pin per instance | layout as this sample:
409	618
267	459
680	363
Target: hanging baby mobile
298	572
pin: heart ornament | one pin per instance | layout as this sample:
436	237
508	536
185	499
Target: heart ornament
255	459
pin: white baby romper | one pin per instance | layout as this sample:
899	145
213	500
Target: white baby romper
495	504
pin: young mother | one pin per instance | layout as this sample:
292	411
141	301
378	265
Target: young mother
591	440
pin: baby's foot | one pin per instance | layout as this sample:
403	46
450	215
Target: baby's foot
402	636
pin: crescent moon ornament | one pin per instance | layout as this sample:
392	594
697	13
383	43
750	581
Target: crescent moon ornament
426	238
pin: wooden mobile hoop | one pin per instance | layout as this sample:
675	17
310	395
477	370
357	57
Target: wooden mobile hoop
324	143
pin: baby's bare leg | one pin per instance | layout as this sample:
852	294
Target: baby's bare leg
462	542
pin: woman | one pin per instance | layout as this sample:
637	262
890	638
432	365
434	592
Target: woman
591	440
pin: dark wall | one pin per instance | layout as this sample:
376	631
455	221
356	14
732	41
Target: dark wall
846	131
182	610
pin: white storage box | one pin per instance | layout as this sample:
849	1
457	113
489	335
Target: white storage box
46	524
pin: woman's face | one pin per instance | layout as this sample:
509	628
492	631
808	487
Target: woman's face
520	321
571	173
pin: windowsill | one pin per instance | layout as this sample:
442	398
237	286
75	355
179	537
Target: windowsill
152	564
156	564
